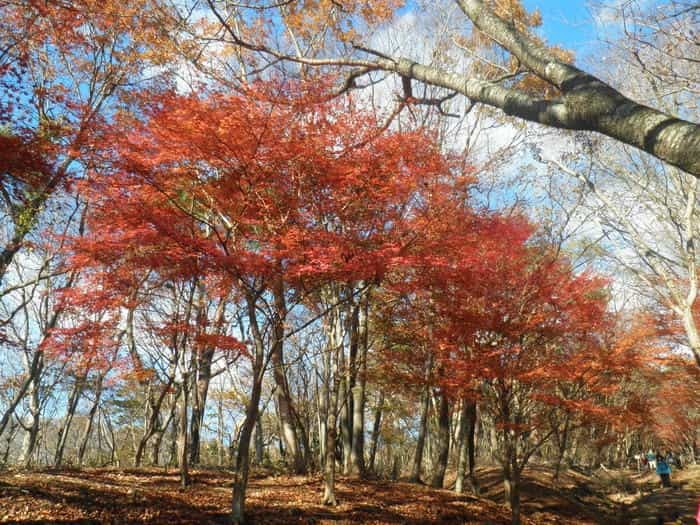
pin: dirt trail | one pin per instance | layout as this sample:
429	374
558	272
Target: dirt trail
675	505
667	505
604	496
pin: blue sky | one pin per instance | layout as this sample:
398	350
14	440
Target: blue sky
568	23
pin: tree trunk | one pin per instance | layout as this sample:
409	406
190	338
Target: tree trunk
242	462
201	391
9	437
329	467
322	397
283	395
345	416
220	447
691	331
443	443
303	435
511	469
259	441
420	443
199	401
151	413
347	382
334	350
462	447
471	445
73	399
155	446
357	453
182	433
32	430
467	433
159	434
376	426
395	466
33	370
88	425
511	488
562	442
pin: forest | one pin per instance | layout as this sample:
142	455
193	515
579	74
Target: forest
333	261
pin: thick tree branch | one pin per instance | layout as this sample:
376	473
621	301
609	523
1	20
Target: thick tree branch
586	102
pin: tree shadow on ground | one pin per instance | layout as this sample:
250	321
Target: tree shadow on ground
668	505
66	497
376	502
572	498
152	496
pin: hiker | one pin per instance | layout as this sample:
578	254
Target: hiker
674	460
663	470
651	460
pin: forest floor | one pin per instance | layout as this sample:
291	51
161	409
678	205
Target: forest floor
677	504
152	495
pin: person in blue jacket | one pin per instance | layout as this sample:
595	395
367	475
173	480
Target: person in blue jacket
663	469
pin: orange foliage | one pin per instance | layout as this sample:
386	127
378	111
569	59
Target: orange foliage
309	18
227	189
